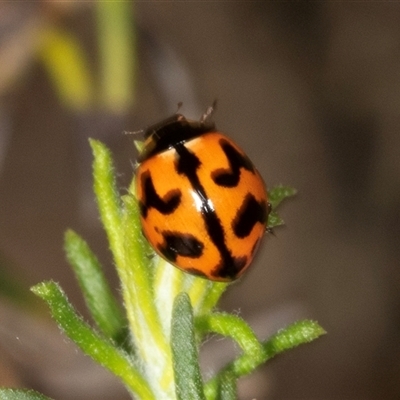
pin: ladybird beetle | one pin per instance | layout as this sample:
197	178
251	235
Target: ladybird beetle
203	205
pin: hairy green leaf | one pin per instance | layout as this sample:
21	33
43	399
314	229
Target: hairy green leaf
91	343
104	309
188	381
21	394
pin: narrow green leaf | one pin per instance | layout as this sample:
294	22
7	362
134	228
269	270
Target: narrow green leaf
279	193
102	305
274	220
90	342
107	198
188	381
227	389
298	333
234	327
292	336
275	196
21	394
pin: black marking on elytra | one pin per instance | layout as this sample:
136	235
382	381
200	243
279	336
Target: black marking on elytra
150	199
230	270
187	164
230	177
250	212
180	244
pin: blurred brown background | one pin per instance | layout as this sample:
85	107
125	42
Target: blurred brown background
311	90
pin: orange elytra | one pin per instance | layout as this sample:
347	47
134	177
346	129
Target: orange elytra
203	204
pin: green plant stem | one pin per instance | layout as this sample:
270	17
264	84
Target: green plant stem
136	270
130	251
215	292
